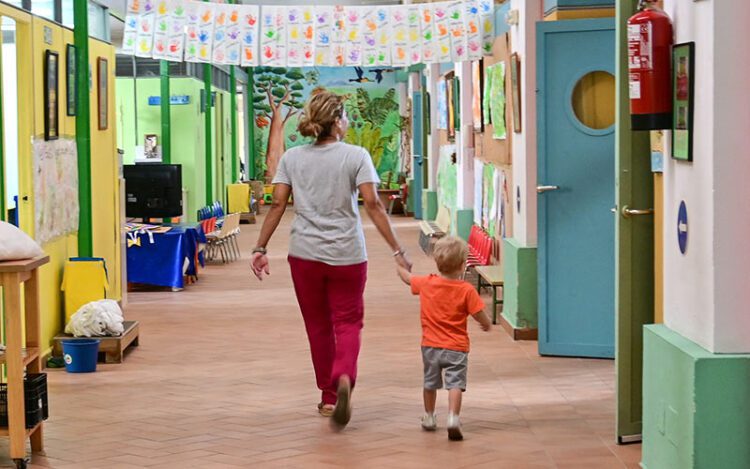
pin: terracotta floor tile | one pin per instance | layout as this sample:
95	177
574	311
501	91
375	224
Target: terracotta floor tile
223	379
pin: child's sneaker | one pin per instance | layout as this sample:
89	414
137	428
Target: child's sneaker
429	422
454	428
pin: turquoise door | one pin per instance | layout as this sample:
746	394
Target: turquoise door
576	157
418	152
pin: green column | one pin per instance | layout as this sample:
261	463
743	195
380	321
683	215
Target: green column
250	104
83	126
166	118
233	111
207	69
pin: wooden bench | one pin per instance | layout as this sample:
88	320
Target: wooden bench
432	231
111	348
491	275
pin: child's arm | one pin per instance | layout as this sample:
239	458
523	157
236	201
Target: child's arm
404	274
483	320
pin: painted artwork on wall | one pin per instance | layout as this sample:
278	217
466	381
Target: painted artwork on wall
442	105
51	96
450	86
447	178
496	91
477	85
103	92
372	106
71	80
515	91
56	208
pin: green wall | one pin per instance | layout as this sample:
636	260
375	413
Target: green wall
696	406
520	288
188	132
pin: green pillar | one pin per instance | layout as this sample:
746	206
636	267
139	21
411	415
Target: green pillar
83	126
251	123
207	69
166	118
233	111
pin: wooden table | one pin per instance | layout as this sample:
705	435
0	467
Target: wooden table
16	357
491	275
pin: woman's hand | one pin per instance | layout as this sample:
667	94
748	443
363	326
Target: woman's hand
259	265
403	261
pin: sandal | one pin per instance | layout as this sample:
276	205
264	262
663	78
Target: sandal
343	410
326	410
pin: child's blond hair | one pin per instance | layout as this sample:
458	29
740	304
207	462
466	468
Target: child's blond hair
450	254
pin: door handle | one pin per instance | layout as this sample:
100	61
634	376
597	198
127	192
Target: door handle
543	189
628	212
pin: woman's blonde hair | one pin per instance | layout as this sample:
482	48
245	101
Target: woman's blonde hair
320	113
450	254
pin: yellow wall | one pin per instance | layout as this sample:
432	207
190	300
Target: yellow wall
658	248
105	195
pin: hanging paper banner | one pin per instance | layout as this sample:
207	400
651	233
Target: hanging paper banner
273	34
382	15
338	39
146	21
400	33
414	43
429	41
130	33
457	26
442	33
473	30
161	30
226	49
294	36
249	35
353	36
308	36
487	20
323	32
200	29
176	29
369	36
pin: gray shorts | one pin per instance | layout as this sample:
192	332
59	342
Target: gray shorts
438	359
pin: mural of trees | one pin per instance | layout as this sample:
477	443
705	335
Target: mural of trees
278	96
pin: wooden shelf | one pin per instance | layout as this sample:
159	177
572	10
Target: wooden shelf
29	431
28	354
24	265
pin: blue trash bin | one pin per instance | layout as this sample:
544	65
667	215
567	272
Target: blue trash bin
80	355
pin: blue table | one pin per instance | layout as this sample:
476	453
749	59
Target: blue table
170	257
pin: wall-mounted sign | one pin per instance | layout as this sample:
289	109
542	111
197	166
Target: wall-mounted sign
177	100
48	35
682	227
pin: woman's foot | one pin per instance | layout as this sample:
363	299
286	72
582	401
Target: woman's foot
342	413
326	410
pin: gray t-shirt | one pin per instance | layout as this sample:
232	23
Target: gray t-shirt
324	180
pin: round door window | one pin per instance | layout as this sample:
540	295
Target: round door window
593	100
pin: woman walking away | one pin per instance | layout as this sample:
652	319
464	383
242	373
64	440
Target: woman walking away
327	244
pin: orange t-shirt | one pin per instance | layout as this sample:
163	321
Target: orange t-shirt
445	306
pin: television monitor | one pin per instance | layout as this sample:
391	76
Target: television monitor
153	190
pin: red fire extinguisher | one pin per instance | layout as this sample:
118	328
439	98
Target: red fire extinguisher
649	68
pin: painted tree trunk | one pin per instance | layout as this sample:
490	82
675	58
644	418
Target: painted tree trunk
275	147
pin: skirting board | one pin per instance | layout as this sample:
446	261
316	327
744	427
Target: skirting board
518	334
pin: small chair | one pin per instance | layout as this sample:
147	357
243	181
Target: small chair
225	240
401	197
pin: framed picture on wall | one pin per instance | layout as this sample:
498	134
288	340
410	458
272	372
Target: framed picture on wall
103	93
477	85
442	104
515	91
683	85
449	99
71	85
51	105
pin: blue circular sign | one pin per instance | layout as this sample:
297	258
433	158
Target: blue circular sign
682	227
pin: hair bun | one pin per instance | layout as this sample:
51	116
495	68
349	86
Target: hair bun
309	128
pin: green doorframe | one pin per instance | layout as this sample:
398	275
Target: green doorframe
166	117
250	105
83	126
634	246
233	120
207	70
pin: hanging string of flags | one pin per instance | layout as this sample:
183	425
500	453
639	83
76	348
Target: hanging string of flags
275	35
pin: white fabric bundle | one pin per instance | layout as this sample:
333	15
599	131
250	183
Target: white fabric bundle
96	319
16	245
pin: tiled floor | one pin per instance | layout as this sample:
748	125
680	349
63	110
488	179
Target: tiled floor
223	379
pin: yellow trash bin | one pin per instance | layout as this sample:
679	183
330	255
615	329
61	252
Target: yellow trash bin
239	198
84	281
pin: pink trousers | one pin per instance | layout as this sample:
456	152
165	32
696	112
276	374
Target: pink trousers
332	304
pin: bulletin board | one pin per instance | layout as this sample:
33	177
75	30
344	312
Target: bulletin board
487	148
